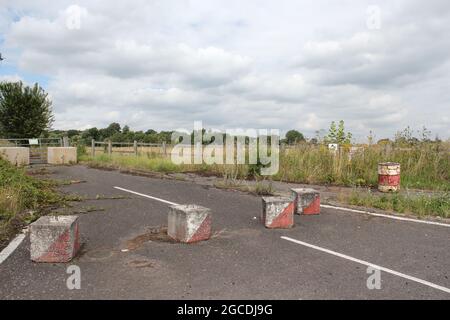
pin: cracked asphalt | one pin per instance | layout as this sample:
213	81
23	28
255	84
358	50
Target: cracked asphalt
123	257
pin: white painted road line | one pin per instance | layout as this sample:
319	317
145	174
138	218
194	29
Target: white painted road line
337	254
11	247
147	196
387	216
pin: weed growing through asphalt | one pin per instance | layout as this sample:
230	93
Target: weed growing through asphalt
24	198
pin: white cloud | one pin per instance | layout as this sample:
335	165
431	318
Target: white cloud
288	64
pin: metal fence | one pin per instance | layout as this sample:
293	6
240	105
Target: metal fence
38	146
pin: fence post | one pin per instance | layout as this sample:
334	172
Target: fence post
65	141
164	148
93	148
135	148
109	147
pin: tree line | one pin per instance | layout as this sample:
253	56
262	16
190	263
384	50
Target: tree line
114	132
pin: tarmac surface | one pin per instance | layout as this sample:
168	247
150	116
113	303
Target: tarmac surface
126	254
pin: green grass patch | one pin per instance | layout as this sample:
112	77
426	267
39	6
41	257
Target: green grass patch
422	167
23	199
144	162
426	166
436	205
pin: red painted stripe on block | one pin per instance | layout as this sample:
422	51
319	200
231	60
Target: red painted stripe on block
203	232
286	218
387	180
77	244
314	207
59	251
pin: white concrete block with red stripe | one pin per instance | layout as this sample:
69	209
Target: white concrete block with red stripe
189	223
278	212
54	239
307	200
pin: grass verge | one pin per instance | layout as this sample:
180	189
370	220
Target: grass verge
425	167
421	205
23	199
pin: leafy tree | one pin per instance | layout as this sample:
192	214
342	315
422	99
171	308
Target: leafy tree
165	136
89	134
25	112
117	137
293	137
348	138
337	134
340	134
71	133
113	133
332	133
109	131
150	131
114	127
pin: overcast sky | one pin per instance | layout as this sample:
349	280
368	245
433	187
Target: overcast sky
235	64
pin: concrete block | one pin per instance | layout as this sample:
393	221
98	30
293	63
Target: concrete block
307	200
54	239
19	156
61	155
189	223
278	212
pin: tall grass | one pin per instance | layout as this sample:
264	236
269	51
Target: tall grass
423	167
157	163
21	199
426	166
143	162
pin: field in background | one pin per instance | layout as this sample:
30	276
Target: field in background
426	166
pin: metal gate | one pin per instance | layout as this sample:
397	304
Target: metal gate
38	146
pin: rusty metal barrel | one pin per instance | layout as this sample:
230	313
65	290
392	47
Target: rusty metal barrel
389	177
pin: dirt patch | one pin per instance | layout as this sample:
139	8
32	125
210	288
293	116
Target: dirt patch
153	234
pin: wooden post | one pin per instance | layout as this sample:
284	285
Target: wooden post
135	148
93	148
164	148
109	147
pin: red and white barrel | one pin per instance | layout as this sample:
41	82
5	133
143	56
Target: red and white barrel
389	176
